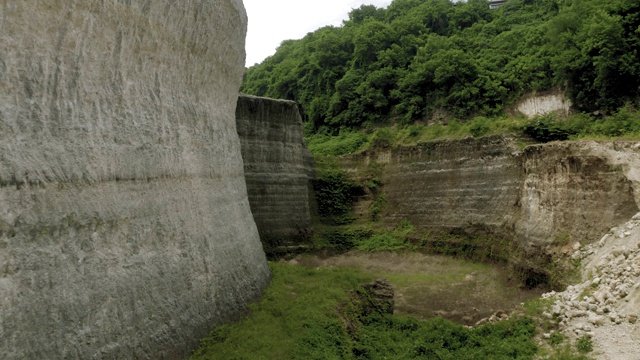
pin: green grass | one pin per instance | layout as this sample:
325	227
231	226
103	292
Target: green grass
298	315
305	312
311	313
344	143
623	124
406	338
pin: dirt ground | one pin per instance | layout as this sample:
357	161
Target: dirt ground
432	285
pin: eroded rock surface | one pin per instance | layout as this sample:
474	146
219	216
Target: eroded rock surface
451	184
545	195
125	229
534	104
573	191
278	169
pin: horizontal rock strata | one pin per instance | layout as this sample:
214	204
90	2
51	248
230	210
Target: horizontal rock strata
549	194
278	169
453	184
125	229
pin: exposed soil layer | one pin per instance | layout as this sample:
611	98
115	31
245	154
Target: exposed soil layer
434	285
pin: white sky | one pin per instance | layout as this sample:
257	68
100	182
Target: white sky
272	21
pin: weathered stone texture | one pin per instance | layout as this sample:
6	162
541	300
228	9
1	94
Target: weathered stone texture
278	169
451	183
549	194
572	190
125	229
534	104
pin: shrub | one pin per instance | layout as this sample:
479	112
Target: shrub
479	126
383	137
584	344
376	206
342	238
548	128
334	192
346	142
556	339
383	242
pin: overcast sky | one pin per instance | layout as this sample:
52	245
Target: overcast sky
272	21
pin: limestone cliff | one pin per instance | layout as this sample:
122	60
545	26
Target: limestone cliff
125	229
278	169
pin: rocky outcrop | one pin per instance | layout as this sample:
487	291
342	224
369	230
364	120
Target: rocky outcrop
278	169
125	229
605	304
452	184
545	195
540	104
572	191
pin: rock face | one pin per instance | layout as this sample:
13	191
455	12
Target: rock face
535	104
574	189
449	184
544	195
125	229
278	169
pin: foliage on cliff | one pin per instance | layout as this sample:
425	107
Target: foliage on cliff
420	57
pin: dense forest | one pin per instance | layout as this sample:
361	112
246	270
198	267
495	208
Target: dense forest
420	57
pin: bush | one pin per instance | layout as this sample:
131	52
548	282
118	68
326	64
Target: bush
549	128
376	206
441	339
556	339
346	142
334	193
342	239
624	122
384	242
479	127
383	137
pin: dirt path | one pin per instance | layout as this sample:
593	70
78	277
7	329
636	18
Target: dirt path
429	285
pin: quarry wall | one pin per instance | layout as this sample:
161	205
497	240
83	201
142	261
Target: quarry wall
125	229
546	194
449	184
278	169
574	192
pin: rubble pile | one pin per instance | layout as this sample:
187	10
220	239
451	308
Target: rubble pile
607	300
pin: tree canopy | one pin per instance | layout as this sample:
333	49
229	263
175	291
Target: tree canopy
405	62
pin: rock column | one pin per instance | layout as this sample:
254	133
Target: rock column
125	229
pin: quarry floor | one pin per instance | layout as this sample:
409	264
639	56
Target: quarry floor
604	305
434	285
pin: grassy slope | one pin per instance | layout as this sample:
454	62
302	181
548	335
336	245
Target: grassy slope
624	124
304	315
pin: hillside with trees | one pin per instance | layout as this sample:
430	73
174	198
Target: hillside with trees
416	58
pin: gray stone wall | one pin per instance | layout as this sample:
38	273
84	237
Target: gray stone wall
278	169
125	229
575	191
549	194
448	184
452	184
